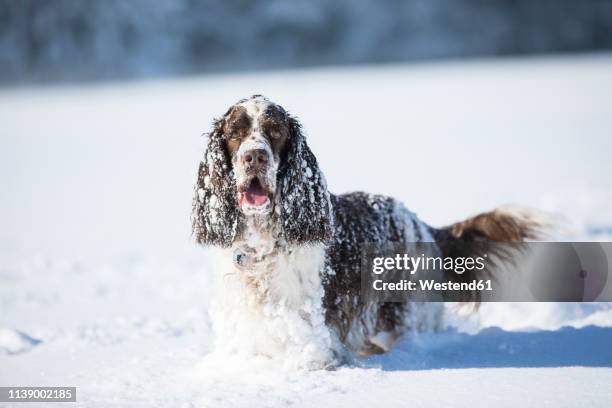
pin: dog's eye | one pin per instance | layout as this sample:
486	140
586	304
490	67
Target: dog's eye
234	136
274	134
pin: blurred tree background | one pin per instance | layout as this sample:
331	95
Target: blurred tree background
75	40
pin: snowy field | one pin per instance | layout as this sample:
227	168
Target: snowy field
102	288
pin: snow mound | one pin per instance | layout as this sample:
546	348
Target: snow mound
15	342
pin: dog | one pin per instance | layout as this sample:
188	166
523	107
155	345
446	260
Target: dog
289	272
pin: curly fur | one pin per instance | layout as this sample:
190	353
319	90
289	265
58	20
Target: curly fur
303	220
216	218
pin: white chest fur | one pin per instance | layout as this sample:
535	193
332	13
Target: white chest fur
274	309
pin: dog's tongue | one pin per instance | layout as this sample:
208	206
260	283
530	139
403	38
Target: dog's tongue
255	195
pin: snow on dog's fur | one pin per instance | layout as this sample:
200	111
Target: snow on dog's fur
289	277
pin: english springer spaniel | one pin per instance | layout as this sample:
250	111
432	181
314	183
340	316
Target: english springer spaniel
289	278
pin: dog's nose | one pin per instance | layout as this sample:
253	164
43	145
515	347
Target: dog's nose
255	157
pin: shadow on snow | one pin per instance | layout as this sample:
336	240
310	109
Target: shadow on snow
588	347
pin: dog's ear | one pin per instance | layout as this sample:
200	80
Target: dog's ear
215	214
305	208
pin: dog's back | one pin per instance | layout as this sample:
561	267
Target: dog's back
360	219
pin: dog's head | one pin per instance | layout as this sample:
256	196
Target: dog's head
257	164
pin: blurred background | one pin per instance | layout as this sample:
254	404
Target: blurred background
72	40
102	105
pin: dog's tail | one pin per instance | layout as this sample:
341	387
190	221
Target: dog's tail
483	234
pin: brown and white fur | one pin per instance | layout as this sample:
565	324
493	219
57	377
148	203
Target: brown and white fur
289	284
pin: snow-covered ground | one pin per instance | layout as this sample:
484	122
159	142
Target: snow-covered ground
101	286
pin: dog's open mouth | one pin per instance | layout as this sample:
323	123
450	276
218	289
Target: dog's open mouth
255	194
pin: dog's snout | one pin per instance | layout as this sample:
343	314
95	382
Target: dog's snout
255	157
